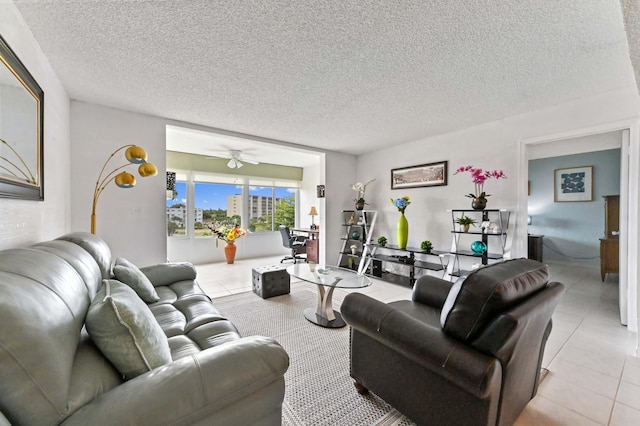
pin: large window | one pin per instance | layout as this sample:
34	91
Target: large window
217	205
270	207
249	203
177	211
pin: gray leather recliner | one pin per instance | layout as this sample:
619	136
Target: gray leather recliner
462	354
52	373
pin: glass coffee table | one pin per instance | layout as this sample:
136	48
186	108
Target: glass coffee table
327	279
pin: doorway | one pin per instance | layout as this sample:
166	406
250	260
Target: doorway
629	196
570	225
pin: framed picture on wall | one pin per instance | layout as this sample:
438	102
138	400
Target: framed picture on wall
432	174
573	184
21	135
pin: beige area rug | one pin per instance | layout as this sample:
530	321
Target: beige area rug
319	390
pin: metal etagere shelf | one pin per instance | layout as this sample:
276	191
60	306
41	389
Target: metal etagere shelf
358	228
492	225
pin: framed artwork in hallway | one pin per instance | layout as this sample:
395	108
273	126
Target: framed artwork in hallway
573	184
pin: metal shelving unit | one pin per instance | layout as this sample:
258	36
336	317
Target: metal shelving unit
414	258
492	225
362	223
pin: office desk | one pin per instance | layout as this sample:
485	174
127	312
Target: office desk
313	243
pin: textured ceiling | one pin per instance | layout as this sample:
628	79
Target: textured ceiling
631	13
350	76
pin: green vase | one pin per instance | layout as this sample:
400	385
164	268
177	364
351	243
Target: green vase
402	231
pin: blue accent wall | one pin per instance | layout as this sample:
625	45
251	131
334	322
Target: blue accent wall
571	229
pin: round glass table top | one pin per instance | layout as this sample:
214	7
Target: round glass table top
329	276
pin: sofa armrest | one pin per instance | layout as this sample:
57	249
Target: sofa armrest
194	388
423	344
169	273
431	291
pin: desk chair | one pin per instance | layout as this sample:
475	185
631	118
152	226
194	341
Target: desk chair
296	243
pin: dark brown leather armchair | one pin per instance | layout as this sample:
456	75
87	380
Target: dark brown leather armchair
463	354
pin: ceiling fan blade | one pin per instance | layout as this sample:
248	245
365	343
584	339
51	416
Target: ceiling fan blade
235	157
219	154
248	160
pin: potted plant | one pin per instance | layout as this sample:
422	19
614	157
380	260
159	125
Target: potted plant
382	241
426	246
230	235
360	187
465	222
478	177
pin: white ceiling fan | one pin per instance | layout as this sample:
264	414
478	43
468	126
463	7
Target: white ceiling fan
236	158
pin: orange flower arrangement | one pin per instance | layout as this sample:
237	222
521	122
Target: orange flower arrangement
229	234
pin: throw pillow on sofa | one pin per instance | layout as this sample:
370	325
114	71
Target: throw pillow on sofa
125	330
128	273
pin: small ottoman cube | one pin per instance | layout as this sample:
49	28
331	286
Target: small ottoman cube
270	281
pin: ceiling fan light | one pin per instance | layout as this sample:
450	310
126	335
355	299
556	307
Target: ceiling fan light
233	164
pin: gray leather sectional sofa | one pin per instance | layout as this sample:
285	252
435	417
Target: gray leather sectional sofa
78	347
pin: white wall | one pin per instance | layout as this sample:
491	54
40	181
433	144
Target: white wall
492	145
572	229
340	174
26	222
132	221
427	214
205	250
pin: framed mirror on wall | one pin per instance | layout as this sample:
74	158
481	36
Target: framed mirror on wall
21	130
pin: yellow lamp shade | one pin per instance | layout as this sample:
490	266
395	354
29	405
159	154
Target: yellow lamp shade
147	169
136	154
125	180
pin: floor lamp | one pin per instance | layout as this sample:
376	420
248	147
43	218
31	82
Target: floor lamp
135	155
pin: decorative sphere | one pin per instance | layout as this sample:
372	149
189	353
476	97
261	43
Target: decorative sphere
355	235
478	248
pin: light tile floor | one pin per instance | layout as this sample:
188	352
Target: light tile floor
594	378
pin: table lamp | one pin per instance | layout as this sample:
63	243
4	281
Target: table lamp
313	212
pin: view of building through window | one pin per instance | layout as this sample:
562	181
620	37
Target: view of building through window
263	208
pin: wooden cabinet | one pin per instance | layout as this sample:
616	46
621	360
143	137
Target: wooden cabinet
313	250
609	245
535	247
609	260
312	243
